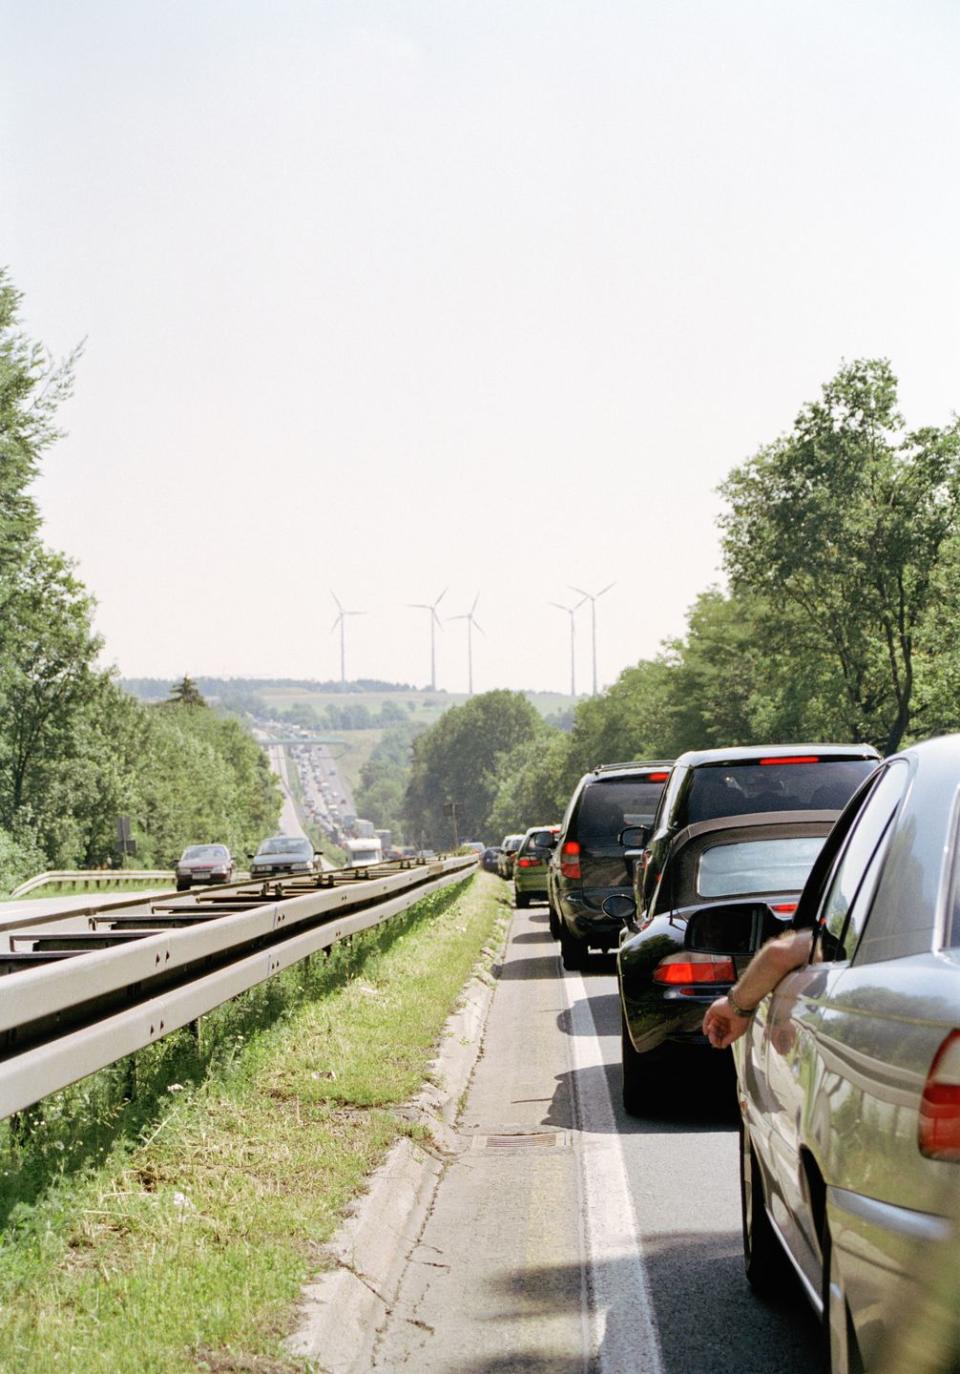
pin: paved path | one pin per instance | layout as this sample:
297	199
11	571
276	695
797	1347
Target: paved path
567	1238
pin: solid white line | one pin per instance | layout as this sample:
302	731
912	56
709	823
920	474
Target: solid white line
623	1332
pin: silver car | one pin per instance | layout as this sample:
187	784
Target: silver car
283	854
849	1074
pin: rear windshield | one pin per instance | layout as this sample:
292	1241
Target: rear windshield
540	839
606	808
742	788
755	866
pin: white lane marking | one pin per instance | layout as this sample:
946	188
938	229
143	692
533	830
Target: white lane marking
623	1332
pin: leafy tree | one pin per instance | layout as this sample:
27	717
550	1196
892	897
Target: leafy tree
846	524
533	783
186	693
457	761
47	651
31	389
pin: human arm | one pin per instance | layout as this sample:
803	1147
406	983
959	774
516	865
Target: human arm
727	1018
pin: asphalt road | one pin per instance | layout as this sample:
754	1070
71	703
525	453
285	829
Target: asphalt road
569	1238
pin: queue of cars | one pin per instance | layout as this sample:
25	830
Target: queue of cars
848	1073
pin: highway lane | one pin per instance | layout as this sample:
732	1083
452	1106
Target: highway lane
567	1236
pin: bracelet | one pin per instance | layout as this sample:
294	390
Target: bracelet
745	1012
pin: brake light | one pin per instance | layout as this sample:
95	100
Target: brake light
527	863
690	967
656	777
570	860
938	1133
784	908
801	758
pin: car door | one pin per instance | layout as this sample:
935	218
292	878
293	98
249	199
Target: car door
803	1064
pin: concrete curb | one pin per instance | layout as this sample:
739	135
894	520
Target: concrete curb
344	1308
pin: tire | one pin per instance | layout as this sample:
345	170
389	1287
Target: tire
573	952
554	920
521	899
842	1354
764	1262
643	1083
183	884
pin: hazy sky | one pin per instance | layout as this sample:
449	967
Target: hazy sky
386	297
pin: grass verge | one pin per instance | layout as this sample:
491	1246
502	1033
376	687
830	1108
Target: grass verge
161	1216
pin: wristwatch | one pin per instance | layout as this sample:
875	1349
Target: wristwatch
745	1012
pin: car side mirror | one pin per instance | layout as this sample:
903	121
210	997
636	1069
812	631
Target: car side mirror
635	837
735	928
619	906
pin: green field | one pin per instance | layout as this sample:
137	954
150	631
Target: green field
427	706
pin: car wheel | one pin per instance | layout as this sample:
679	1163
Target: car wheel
642	1083
554	920
183	884
521	899
840	1342
763	1257
573	952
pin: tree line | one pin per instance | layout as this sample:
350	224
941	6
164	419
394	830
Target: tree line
76	751
841	545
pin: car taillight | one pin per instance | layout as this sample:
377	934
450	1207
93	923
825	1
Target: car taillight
570	860
784	908
527	863
800	758
689	967
939	1127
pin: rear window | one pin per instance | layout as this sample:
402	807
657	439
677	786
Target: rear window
606	808
539	839
742	788
754	866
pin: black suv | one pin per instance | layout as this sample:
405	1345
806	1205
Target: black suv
739	781
590	863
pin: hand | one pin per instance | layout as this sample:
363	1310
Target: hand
722	1025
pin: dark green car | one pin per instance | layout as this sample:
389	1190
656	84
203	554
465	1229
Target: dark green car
530	865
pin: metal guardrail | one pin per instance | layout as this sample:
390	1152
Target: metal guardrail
94	877
78	1011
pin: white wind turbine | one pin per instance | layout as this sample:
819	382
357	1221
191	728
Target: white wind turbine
434	622
571	612
472	623
341	620
593	598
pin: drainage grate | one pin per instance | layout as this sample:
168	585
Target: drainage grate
520	1140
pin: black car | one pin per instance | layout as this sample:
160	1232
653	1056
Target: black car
753	866
489	859
591	862
745	780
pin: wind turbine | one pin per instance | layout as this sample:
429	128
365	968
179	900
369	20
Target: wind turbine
593	598
472	621
571	612
341	620
434	622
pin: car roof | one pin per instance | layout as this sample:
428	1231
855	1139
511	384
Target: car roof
638	766
550	825
749	753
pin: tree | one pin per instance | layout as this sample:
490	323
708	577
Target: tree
457	762
186	693
32	386
846	524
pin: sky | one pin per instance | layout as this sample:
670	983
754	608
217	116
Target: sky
392	298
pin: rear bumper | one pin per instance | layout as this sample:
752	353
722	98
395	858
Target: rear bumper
587	920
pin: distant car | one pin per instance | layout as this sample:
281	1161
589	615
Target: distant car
476	845
204	863
849	1073
591	862
530	865
283	854
488	859
508	853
